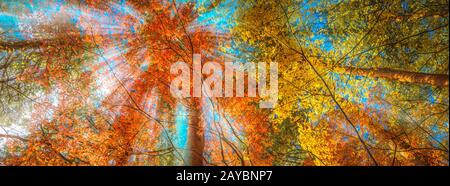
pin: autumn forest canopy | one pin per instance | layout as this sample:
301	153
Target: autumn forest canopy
87	82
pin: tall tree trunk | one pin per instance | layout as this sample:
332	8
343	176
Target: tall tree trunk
196	142
438	80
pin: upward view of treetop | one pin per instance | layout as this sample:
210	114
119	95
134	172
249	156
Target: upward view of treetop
87	82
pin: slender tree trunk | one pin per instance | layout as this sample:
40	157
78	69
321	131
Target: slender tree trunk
196	140
25	44
438	80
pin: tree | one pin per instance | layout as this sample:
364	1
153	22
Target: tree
315	77
360	83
